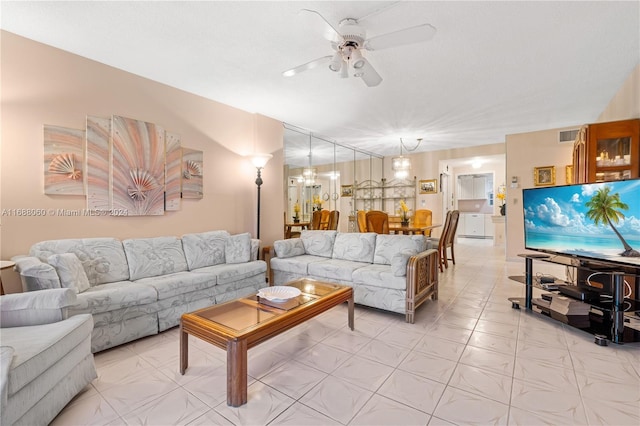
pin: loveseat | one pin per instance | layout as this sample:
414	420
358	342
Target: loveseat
391	272
45	359
139	287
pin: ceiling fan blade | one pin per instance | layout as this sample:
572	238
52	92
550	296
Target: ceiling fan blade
368	74
410	35
307	66
329	32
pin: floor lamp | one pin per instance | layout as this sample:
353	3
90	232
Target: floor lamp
259	160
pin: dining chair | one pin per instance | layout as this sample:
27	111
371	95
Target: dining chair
334	216
377	221
362	221
316	218
324	219
438	243
421	218
451	237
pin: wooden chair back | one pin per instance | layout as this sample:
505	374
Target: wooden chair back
442	255
362	221
324	219
453	227
377	221
334	217
316	218
423	217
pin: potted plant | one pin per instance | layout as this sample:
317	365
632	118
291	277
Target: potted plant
296	212
502	195
404	213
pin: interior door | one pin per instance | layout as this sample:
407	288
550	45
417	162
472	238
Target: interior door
447	194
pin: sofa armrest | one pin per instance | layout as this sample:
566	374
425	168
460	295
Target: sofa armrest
255	249
35	307
422	280
35	274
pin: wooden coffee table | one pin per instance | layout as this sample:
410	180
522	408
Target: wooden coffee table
241	324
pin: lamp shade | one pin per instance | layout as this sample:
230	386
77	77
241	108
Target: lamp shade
336	62
357	61
401	166
260	160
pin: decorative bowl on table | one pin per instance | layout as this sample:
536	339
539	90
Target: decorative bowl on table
279	293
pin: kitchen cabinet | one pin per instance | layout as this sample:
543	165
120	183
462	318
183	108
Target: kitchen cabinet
474	187
488	226
607	152
473	225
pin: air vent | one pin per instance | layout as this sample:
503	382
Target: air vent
566	136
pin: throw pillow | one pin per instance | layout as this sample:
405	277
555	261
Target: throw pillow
70	271
237	248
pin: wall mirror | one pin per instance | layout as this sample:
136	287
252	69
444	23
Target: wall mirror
316	172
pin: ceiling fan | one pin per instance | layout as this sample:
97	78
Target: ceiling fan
349	41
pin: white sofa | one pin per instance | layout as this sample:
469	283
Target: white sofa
391	272
139	287
45	359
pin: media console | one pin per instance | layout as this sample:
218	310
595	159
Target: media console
611	302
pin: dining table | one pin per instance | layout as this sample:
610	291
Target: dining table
412	230
288	227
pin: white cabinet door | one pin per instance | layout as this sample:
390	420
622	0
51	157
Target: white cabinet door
461	229
474	225
479	187
465	187
488	226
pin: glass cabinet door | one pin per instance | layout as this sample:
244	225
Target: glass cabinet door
614	151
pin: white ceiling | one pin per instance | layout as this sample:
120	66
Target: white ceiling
493	68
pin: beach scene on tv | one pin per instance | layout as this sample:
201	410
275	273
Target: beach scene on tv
595	220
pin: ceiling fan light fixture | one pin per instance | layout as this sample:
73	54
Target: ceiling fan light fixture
336	62
345	71
357	61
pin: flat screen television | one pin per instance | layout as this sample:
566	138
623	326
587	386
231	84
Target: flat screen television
599	221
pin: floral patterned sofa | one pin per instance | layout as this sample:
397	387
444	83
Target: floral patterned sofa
139	287
391	272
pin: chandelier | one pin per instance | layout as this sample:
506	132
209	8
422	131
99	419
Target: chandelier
401	165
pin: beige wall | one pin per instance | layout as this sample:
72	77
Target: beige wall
524	152
626	103
43	85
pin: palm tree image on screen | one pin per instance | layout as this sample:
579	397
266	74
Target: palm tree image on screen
605	208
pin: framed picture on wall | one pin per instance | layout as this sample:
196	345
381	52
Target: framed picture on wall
429	186
347	191
544	176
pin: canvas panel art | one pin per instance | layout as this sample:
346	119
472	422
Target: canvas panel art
63	161
173	168
97	154
192	173
137	167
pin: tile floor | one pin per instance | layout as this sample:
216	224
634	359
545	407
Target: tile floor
469	359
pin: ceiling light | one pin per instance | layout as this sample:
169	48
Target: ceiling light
336	62
400	165
345	71
357	61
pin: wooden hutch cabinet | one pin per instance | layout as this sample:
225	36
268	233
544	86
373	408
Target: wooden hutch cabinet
607	151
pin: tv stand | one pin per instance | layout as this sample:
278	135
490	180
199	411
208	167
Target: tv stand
612	321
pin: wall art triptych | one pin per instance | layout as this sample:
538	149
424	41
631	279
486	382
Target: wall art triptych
123	166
